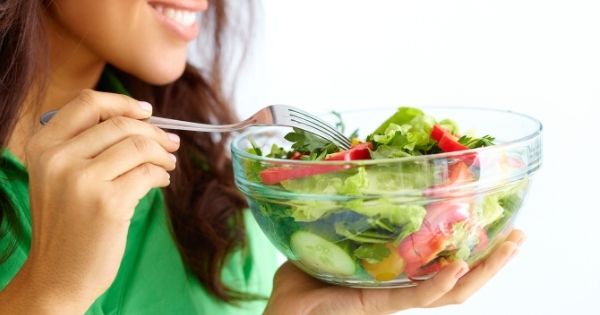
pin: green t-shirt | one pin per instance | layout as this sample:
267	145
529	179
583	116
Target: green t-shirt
152	278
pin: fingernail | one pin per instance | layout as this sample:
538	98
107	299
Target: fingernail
462	272
173	157
173	137
145	106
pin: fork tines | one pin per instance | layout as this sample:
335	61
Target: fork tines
319	127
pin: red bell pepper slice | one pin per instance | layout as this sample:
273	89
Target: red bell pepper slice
458	173
358	152
446	140
449	143
275	175
437	132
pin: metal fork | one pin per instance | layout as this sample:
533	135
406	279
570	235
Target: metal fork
273	115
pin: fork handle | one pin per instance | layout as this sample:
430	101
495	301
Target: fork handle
167	123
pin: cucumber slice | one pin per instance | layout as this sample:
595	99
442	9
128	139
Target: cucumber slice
322	255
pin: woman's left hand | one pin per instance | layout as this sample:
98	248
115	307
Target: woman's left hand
296	293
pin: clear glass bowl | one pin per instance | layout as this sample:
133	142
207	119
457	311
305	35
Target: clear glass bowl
409	216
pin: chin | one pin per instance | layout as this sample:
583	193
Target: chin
161	74
156	69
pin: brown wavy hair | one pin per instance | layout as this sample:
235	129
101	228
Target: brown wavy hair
204	206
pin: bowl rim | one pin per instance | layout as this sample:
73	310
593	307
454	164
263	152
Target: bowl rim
236	150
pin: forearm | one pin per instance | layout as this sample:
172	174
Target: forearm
30	293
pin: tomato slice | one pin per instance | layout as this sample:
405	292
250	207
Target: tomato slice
423	246
275	175
418	249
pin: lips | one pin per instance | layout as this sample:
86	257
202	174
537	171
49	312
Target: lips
182	17
179	16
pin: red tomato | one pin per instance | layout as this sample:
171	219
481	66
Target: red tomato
420	248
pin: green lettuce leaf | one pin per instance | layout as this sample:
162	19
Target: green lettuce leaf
498	208
407	216
450	125
401	117
330	184
395	177
390	133
407	133
312	210
490	210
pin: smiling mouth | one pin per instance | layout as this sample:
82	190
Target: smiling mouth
179	16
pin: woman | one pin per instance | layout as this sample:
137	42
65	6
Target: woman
85	226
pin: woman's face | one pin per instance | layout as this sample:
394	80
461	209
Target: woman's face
146	38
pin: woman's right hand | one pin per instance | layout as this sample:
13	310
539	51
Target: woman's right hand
88	168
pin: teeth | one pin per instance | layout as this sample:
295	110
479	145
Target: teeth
183	17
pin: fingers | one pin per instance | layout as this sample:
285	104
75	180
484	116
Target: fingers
431	290
129	154
92	107
141	179
481	274
422	295
516	236
94	140
452	285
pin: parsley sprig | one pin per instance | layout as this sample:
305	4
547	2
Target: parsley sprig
473	143
310	145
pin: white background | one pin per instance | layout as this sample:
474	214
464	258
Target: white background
540	57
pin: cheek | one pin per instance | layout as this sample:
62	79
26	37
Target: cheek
126	34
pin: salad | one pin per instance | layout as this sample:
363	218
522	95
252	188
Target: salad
369	232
